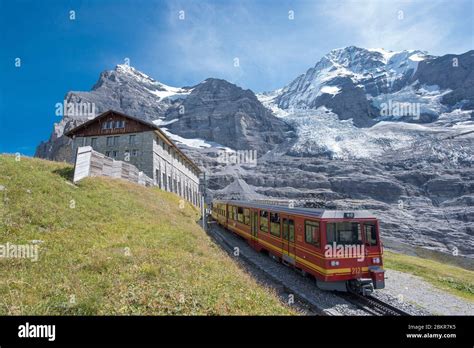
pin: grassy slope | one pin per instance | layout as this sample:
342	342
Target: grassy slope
84	266
456	280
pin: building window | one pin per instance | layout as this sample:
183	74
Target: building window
116	140
132	139
107	153
108	125
312	235
114	154
158	177
120	124
275	224
93	142
110	141
134	152
165	184
264	220
288	230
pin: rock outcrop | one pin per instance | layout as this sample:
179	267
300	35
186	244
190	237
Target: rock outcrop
219	111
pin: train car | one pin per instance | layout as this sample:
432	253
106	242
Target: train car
341	249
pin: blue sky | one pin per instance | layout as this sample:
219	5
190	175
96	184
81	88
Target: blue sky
59	54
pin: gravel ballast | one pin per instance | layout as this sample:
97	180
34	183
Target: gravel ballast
411	289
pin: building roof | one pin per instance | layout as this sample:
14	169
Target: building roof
312	212
151	125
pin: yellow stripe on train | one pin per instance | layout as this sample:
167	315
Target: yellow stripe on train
341	271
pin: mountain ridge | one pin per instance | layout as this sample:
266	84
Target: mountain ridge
352	82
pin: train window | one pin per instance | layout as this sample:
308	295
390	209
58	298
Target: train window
370	230
264	220
247	216
291	230
275	224
288	229
344	233
240	214
231	212
284	229
312	235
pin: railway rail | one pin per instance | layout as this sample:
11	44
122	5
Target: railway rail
373	305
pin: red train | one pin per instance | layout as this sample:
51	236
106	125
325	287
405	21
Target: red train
341	249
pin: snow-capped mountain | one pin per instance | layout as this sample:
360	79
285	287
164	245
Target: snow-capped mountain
123	89
369	85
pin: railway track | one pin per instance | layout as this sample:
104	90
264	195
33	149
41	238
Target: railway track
373	305
369	304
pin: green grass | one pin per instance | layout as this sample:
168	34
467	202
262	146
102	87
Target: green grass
453	279
113	247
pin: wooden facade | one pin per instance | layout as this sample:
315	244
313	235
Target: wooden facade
96	127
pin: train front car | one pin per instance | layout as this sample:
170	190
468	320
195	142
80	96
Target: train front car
341	249
354	250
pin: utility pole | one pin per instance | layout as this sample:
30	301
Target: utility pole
203	200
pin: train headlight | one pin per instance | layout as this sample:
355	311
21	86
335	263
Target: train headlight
334	263
376	260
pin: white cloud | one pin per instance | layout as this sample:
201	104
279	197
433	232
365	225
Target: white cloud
394	25
272	50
